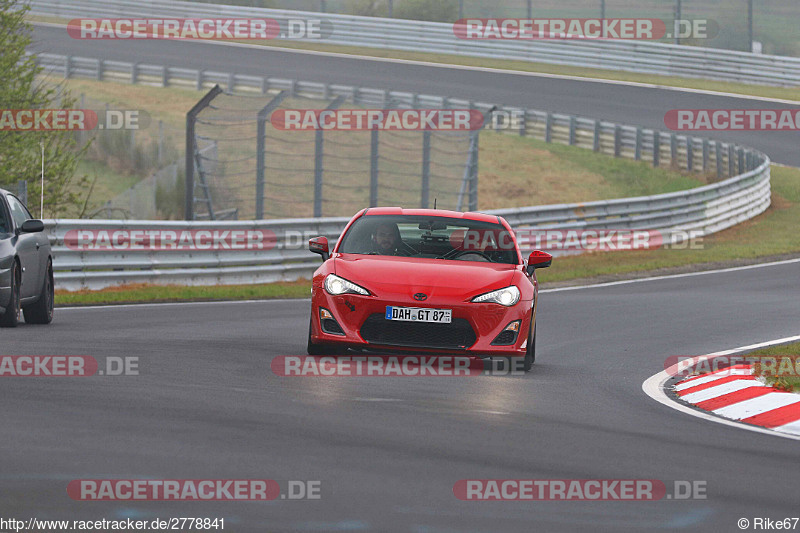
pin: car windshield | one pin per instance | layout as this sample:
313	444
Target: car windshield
430	236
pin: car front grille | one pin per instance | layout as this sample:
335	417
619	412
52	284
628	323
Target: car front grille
458	335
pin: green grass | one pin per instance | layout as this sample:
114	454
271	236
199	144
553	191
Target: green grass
173	293
526	66
788	383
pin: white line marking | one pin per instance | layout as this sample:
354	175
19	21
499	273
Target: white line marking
757	406
676	276
481	69
721	390
654	388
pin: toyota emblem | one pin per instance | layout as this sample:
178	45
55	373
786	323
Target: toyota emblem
420	296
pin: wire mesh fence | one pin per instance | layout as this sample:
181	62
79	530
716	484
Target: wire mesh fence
260	169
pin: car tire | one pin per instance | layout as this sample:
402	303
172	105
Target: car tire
322	349
41	312
530	352
10	318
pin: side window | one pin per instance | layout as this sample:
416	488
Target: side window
18	211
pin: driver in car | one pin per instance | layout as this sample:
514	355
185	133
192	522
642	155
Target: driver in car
386	240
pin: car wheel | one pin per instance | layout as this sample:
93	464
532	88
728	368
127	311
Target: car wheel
322	349
10	318
530	352
41	312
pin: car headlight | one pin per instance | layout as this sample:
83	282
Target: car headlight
507	297
335	285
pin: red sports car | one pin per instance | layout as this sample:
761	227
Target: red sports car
425	280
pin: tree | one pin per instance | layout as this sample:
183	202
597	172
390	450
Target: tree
22	87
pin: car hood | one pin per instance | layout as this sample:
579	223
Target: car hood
434	277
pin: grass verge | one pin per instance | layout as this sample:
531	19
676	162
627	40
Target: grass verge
141	293
787	383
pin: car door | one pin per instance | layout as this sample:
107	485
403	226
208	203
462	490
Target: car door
28	246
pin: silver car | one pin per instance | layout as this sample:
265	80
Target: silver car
26	265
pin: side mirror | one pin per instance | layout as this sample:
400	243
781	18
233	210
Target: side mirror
32	226
538	259
319	245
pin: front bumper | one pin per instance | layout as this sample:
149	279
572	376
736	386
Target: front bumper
472	332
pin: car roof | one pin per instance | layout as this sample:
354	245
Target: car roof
470	215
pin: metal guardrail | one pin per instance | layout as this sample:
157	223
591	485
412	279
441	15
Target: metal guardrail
706	209
418	36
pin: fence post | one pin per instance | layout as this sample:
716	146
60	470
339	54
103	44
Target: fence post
596	136
617	140
741	160
426	168
718	156
705	154
656	148
373	167
261	139
318	156
191	146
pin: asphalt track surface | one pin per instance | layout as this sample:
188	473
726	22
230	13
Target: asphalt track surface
388	450
641	106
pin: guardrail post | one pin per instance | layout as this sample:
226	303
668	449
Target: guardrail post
318	159
731	163
571	130
673	150
548	127
689	153
373	167
705	155
426	168
164	80
191	147
718	157
656	148
134	73
67	66
637	151
523	123
617	140
596	136
100	65
198	84
741	160
261	139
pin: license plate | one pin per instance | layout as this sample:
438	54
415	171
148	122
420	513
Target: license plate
418	314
